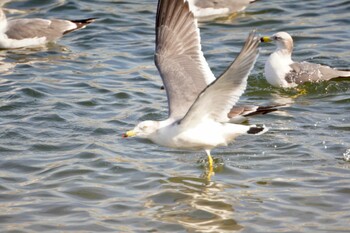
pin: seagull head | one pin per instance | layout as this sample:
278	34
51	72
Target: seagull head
144	129
282	40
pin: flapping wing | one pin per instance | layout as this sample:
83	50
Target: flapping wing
178	57
217	99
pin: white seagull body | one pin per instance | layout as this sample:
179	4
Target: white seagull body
19	33
282	71
203	9
199	104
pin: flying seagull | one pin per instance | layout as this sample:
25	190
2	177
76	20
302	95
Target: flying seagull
215	8
199	105
282	71
17	33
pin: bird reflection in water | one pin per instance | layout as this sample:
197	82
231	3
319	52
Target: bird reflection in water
197	204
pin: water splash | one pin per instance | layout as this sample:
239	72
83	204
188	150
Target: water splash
347	155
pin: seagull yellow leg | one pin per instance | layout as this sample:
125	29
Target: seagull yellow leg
301	91
210	165
232	16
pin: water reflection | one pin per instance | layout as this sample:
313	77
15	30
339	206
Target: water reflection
9	59
196	204
6	67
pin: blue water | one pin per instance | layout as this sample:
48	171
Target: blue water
63	108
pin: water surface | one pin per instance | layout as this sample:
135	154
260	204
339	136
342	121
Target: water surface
65	168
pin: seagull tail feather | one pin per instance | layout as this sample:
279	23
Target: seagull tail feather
342	74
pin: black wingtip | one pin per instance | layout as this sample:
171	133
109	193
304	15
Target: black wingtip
257	130
340	78
84	21
80	24
262	110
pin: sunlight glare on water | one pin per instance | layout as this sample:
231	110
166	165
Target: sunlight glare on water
347	155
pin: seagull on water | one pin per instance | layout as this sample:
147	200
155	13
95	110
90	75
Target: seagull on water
203	9
282	71
199	105
18	33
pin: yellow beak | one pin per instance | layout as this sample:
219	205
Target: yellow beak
265	39
130	133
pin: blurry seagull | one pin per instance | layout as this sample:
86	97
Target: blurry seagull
3	2
199	105
282	71
17	33
8	10
215	8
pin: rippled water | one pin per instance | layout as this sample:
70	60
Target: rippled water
63	108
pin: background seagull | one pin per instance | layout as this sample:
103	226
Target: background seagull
17	33
282	71
217	8
198	103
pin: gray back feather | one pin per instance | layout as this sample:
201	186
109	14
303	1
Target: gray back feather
29	28
309	72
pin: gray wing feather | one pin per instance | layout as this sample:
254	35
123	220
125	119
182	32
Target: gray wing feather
309	72
303	72
217	99
179	59
29	28
329	73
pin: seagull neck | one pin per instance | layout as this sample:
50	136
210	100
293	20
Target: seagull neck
3	23
285	48
284	53
165	123
158	136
